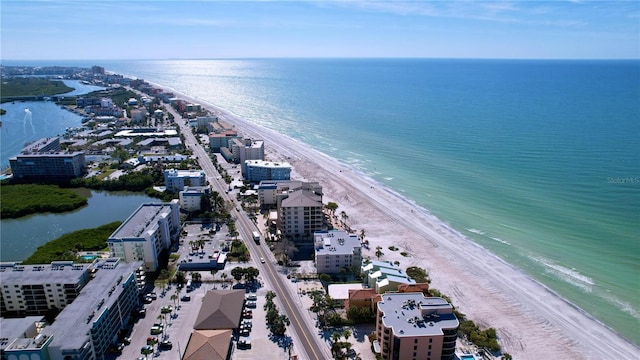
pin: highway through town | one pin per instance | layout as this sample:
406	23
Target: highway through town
310	347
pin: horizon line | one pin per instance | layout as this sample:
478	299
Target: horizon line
333	58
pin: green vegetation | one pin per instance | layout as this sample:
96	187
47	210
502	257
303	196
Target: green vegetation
276	322
3	111
482	338
393	248
249	274
24	199
239	251
67	246
120	96
418	274
32	86
136	181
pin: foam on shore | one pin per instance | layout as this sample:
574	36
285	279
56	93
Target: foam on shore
532	321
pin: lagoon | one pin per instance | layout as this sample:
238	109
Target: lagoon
27	121
19	238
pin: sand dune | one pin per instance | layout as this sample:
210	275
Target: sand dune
532	321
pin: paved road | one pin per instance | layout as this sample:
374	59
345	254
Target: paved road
309	345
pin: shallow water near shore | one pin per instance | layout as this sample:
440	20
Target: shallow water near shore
537	161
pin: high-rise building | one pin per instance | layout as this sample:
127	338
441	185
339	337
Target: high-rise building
335	250
43	159
412	326
149	231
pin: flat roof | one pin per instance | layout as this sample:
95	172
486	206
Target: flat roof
11	328
341	291
147	215
71	328
335	242
51	154
413	314
56	273
268	164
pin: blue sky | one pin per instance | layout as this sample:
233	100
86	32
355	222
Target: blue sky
51	30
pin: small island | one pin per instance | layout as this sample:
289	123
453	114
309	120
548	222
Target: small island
25	199
16	88
68	245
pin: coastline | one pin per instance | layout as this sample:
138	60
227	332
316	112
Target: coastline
531	320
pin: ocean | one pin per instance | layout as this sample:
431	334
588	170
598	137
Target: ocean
537	161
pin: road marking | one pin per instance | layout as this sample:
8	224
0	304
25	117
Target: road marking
304	333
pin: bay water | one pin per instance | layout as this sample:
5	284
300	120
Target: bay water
537	161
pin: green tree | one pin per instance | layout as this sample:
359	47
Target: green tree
379	252
418	274
237	273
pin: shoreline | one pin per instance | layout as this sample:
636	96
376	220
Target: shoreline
532	320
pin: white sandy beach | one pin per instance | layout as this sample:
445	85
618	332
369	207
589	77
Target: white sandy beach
532	322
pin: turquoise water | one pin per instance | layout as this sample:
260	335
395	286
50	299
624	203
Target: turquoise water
538	161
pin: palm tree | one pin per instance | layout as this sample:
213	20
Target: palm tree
362	233
174	297
346	333
224	278
335	337
379	252
344	217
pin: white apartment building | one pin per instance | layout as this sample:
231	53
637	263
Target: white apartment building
335	250
271	192
191	197
88	327
205	120
34	289
149	231
300	215
246	149
412	326
259	170
175	180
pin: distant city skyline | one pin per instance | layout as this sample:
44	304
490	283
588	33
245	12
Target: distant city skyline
79	30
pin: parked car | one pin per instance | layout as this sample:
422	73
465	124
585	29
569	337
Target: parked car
165	345
252	297
244	343
186	298
250	304
156	330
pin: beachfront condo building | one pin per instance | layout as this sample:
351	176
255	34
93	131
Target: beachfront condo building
35	289
412	326
44	160
384	276
219	140
259	170
144	235
336	250
191	197
246	149
175	180
271	192
300	215
204	121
